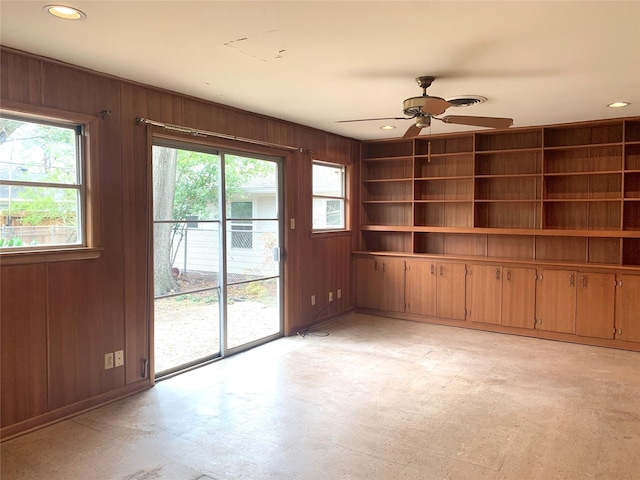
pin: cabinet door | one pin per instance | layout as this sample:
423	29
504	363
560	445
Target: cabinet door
628	308
518	297
368	282
450	297
420	293
392	298
556	301
486	293
596	299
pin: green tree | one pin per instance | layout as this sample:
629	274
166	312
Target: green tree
37	152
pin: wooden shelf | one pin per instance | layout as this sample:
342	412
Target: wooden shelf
513	200
388	159
632	131
434	156
578	174
596	133
523	139
591	159
458	188
435	179
446	144
508	188
387	149
632	185
511	175
560	200
443	201
389	180
583	147
395	169
459	165
510	151
632	157
502	231
564	193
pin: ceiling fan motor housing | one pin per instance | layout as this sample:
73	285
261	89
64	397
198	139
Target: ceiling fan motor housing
413	106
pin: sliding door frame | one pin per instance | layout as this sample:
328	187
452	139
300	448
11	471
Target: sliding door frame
159	137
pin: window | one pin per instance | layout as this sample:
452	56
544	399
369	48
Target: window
242	230
328	196
41	184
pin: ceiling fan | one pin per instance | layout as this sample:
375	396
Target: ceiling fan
426	107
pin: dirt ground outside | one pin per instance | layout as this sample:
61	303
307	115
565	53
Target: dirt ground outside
186	327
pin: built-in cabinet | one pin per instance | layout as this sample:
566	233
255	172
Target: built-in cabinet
380	283
502	295
556	301
595	304
543	223
582	306
421	287
627	316
518	297
412	286
450	296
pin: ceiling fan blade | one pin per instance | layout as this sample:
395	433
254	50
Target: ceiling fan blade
413	131
435	105
490	122
372	119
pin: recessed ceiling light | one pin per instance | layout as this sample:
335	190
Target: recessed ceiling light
66	12
387	127
618	104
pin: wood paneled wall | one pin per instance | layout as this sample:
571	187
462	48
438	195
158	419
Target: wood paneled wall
58	319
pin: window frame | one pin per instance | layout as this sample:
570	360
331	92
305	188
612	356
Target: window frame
343	198
88	214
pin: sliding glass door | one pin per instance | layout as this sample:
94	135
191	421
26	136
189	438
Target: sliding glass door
216	244
252	250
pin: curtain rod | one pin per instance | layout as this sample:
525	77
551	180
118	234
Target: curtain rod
204	133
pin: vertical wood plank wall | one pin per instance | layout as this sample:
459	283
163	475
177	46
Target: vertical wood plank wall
59	319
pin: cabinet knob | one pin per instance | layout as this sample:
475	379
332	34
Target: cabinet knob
620	331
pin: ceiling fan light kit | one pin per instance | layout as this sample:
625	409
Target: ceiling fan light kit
426	107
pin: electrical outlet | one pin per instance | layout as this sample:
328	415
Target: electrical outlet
108	361
331	296
339	293
119	358
313	300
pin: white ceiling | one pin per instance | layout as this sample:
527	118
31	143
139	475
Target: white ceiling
316	62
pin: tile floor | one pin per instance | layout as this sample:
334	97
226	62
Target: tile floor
377	399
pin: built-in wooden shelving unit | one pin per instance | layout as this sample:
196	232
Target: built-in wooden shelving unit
558	193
